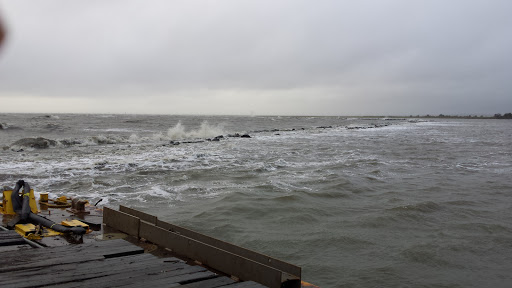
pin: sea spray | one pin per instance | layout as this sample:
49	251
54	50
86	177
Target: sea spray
133	138
205	131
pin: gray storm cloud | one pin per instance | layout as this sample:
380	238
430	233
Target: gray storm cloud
264	57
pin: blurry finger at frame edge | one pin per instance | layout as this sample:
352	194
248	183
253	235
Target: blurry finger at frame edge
2	31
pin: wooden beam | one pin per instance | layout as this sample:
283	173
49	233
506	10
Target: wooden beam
139	214
246	253
229	263
121	221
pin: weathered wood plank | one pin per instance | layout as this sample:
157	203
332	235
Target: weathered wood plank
213	257
166	276
142	275
4	249
13	241
60	274
121	221
210	283
88	266
33	258
9	234
246	284
128	274
8	238
167	281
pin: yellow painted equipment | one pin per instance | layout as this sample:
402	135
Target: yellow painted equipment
74	223
29	231
61	202
7	203
25	229
43	197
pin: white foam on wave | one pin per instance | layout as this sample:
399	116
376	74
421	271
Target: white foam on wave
157	137
178	132
134	138
102	139
442	123
158	192
118	130
396	127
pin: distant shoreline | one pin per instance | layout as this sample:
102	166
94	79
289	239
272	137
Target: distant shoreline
395	117
496	116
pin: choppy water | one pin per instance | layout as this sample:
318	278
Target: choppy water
425	204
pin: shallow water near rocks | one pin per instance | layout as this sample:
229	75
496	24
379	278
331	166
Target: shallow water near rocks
355	202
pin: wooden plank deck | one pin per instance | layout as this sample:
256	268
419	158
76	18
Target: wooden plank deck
112	263
8	238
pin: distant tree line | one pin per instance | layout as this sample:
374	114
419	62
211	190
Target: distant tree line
504	116
496	116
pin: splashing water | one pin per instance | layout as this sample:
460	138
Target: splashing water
204	131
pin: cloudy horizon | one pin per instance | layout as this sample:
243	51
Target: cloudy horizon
242	57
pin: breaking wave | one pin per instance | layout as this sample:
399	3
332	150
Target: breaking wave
44	143
206	130
178	132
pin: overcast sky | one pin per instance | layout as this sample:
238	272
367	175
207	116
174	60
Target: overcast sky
259	57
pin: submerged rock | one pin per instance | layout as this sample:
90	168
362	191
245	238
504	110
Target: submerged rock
217	138
70	142
38	143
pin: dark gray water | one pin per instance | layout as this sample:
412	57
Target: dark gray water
411	204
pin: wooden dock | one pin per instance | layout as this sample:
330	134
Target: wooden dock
109	263
174	256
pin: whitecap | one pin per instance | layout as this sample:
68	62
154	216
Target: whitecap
178	132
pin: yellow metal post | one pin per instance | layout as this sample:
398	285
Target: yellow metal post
32	202
7	202
43	197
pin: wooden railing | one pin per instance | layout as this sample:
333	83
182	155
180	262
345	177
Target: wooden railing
225	257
